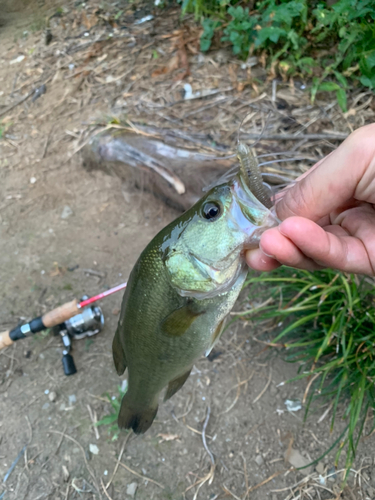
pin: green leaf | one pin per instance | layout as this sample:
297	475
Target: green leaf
271	33
109	419
341	79
205	44
370	59
368	82
328	87
186	5
342	100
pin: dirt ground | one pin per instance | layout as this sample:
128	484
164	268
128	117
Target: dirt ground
51	254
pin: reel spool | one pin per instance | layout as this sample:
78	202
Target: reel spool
87	323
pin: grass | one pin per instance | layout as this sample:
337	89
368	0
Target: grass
327	323
111	419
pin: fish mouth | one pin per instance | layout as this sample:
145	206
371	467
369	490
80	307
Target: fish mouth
249	214
212	271
213	274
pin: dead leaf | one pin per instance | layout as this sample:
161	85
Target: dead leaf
263	59
167	437
255	88
89	22
241	86
66	473
232	70
103	207
85	20
57	270
351	112
295	458
171	66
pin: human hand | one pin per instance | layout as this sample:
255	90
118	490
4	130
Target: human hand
328	215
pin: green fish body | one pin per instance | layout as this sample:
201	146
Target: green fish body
179	294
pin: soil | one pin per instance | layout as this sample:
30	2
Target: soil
46	260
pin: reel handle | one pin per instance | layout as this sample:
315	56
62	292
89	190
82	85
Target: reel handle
68	364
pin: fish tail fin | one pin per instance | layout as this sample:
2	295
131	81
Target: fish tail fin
138	419
118	354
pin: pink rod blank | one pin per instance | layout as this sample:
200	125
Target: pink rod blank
115	289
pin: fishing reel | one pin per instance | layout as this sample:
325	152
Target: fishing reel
87	323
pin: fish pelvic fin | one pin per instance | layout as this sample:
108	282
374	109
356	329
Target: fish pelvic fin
138	419
176	384
216	335
118	354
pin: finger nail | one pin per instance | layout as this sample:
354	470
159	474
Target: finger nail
267	254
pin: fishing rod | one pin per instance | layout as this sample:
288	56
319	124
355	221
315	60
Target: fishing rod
74	319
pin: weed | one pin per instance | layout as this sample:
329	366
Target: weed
295	34
327	322
111	419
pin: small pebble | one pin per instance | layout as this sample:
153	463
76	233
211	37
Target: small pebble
293	405
17	59
45	406
62	407
331	474
319	468
66	212
94	449
52	396
131	489
32	180
259	460
46	391
105	473
72	399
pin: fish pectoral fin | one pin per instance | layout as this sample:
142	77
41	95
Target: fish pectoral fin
176	384
178	322
118	354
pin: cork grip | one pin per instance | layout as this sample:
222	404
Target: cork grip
5	340
60	314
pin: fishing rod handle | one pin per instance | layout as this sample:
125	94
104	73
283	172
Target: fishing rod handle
48	320
5	340
60	314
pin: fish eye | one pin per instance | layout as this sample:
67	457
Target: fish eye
211	210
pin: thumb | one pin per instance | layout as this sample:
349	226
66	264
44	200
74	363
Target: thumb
333	181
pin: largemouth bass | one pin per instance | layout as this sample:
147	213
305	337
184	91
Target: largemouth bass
180	292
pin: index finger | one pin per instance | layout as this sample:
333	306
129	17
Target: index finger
332	182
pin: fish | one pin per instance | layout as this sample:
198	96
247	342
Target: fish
180	293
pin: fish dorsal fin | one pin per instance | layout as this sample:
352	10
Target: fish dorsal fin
179	321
